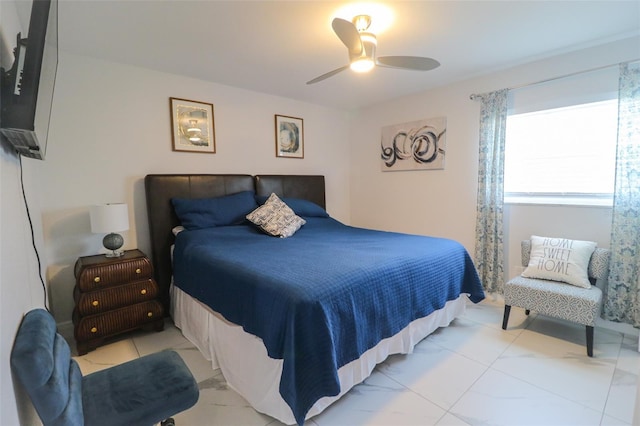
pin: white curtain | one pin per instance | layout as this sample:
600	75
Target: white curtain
622	294
489	250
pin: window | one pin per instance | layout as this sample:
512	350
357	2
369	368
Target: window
561	152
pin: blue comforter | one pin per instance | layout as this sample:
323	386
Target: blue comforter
324	296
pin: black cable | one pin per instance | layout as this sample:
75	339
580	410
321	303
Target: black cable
33	238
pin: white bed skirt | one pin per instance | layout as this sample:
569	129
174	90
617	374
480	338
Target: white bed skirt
248	369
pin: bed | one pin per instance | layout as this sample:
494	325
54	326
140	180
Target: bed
294	323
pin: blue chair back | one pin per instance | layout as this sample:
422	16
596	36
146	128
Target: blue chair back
41	361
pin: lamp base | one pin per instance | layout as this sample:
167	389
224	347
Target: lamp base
113	242
115	253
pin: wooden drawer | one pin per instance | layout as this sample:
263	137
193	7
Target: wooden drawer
97	272
99	301
116	321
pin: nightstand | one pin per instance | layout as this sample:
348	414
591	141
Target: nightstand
112	296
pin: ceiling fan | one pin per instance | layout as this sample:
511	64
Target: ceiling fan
362	50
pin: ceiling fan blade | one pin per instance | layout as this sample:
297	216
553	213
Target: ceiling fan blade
349	35
417	63
327	75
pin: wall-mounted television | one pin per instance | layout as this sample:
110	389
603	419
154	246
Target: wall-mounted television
27	87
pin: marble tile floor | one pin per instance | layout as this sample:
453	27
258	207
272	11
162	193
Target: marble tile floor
470	373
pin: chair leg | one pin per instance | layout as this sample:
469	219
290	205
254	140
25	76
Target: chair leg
505	318
590	340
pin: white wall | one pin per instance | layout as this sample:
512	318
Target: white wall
111	127
20	287
582	223
427	202
443	202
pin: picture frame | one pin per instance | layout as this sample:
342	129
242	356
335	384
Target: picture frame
192	126
289	137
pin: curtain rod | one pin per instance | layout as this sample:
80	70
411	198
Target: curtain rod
473	96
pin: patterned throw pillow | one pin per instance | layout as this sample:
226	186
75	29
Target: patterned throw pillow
560	259
276	218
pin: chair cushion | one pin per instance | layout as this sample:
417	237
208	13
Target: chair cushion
564	301
144	391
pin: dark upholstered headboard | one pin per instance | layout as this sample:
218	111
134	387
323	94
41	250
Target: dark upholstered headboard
292	186
160	189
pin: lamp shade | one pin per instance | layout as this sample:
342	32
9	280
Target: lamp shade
109	218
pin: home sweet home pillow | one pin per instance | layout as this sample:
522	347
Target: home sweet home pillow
560	259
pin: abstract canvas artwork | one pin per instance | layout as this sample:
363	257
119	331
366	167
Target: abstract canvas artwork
416	145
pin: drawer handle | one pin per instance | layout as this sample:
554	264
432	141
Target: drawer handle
143	291
94	329
138	271
95	303
149	314
96	280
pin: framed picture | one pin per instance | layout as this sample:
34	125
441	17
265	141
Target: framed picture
289	137
192	126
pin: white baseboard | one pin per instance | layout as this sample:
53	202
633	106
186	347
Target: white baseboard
618	326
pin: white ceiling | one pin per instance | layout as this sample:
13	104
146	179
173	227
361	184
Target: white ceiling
275	47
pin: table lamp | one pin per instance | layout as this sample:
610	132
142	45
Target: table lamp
109	219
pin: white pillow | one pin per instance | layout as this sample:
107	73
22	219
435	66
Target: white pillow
560	259
276	218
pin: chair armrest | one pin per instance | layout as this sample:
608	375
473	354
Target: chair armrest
525	252
599	264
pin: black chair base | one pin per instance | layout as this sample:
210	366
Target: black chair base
505	318
590	340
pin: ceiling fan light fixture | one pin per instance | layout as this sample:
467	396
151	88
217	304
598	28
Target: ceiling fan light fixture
369	40
361	44
362	64
362	22
366	61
